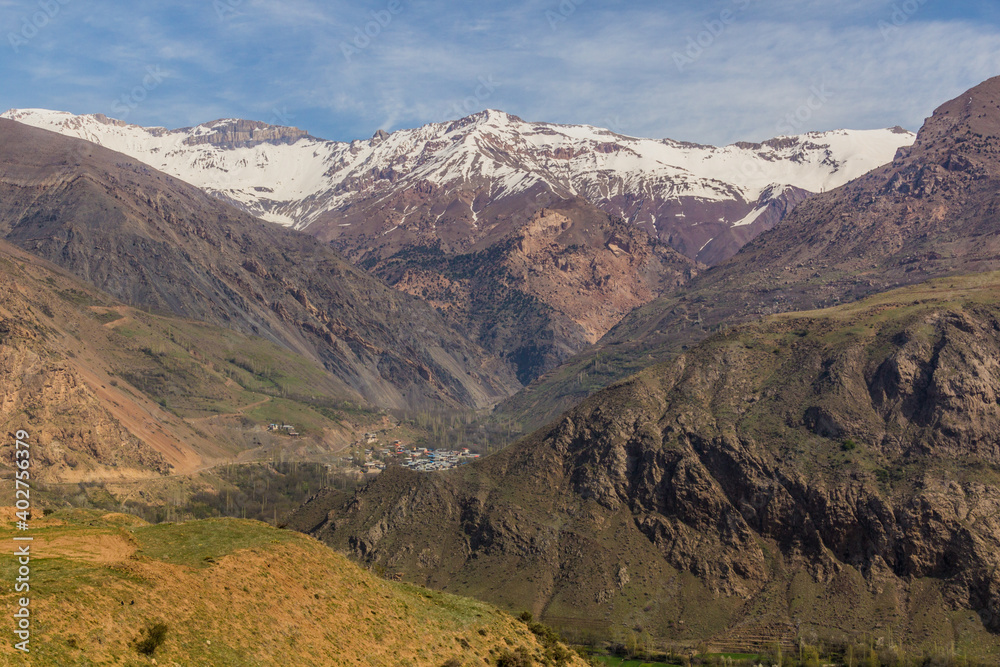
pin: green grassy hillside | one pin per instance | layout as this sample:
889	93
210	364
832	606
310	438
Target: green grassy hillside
235	593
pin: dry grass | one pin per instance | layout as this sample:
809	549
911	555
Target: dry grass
233	593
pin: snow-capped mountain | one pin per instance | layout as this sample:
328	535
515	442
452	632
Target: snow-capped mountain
461	183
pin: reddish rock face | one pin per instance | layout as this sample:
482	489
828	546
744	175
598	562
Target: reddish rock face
545	290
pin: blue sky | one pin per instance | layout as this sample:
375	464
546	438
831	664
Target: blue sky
712	71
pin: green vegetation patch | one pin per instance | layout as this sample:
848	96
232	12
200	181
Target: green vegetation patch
108	316
199	543
279	410
77	297
616	661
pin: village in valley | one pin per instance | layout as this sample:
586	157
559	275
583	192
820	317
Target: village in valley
377	456
373	453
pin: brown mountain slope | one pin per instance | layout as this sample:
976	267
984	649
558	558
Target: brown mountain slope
158	243
833	470
84	424
545	290
933	211
435	210
111	393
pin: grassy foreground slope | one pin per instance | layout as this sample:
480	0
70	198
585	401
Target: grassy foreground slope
234	592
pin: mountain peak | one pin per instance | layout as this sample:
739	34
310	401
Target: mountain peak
225	133
52	120
962	135
977	103
495	116
976	111
484	118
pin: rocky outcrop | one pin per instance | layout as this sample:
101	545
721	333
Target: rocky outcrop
238	133
74	432
73	435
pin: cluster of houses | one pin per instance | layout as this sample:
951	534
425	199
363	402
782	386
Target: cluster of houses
287	428
415	458
427	460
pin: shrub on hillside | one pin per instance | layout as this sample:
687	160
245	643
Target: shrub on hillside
545	634
151	638
519	658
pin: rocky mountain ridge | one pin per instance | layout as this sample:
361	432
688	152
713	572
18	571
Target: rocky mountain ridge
441	212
